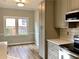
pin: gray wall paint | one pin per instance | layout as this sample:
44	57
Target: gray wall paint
18	13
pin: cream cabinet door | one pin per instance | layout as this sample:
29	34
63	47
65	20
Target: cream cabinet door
57	13
73	4
53	51
68	5
61	7
64	9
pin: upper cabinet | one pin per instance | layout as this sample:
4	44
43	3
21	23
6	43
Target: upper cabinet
73	5
61	7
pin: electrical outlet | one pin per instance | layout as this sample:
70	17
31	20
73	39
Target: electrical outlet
67	33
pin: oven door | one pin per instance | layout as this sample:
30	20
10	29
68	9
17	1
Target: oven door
63	54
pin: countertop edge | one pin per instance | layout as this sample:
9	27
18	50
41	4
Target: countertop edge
59	41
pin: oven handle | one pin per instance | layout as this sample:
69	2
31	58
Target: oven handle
73	56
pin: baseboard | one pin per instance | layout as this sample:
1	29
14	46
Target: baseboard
22	43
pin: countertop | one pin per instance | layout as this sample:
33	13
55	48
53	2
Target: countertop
59	41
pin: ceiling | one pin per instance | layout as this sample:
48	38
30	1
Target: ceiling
12	4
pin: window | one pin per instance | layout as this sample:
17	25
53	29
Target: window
15	26
10	28
22	26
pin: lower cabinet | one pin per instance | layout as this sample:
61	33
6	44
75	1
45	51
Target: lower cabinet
52	55
55	52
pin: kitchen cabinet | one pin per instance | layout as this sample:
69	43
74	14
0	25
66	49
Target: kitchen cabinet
61	7
57	52
73	5
53	51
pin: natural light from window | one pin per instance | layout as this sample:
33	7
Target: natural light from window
16	26
22	26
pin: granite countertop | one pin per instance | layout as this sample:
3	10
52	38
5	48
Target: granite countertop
59	41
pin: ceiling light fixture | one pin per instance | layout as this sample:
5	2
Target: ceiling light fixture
20	3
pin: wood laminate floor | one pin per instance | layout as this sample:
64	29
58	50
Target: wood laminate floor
23	52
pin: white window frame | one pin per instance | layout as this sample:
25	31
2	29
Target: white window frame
27	25
16	25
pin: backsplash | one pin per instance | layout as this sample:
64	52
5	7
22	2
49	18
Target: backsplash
68	33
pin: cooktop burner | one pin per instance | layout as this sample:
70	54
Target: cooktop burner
70	47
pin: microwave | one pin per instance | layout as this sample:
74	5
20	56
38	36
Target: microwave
72	16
